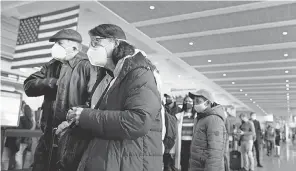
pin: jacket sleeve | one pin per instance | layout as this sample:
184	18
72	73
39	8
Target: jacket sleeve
37	84
215	127
141	105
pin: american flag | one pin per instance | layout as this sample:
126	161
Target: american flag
32	47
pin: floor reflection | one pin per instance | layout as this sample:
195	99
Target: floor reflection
286	162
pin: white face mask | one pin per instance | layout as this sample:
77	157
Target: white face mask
253	117
97	56
201	107
61	54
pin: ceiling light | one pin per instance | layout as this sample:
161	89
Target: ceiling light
287	85
233	83
254	102
246	94
251	99
287	81
224	75
179	76
287	72
285	33
209	61
287	89
152	7
288	94
190	43
285	55
241	90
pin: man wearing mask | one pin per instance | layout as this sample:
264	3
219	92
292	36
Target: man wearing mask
258	141
248	134
209	141
170	105
72	86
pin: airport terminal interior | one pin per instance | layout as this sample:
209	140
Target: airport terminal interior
242	52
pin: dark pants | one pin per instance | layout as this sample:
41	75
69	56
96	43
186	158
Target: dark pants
257	147
269	146
42	154
185	155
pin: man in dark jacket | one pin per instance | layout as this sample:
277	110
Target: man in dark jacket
209	141
258	141
72	86
126	122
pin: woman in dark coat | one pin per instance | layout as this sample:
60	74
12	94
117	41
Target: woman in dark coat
126	121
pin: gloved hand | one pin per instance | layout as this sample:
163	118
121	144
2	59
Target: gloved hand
61	127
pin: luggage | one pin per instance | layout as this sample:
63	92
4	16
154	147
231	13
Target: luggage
235	160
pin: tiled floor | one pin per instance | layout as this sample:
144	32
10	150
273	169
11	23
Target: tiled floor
286	162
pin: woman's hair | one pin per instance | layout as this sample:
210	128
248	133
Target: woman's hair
111	31
184	107
122	50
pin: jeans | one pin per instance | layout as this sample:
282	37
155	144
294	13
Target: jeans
247	154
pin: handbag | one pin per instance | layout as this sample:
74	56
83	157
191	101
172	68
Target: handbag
71	145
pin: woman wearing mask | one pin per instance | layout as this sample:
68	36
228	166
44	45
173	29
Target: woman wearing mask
184	136
126	121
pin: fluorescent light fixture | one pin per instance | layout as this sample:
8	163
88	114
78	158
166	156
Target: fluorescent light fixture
190	43
224	75
287	81
285	33
152	7
233	83
209	61
285	55
287	72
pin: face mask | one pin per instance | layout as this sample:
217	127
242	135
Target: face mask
201	107
97	56
253	117
188	106
60	53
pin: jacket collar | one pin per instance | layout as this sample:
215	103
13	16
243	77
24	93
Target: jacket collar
215	109
77	58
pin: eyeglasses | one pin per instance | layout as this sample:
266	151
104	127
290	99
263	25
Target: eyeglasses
95	41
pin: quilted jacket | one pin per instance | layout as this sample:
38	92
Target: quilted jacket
209	141
126	123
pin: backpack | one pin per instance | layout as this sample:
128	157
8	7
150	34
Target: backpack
171	131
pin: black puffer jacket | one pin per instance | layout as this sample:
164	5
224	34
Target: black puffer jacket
127	126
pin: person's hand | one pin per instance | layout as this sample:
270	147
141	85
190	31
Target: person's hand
74	114
241	132
62	126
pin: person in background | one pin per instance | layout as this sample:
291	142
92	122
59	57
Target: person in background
270	137
258	141
171	105
277	142
209	142
184	134
126	121
248	135
23	156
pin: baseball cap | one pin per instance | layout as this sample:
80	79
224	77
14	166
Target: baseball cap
68	34
202	93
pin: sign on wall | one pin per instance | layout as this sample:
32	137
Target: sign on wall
10	108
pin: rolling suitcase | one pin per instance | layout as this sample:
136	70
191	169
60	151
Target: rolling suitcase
235	160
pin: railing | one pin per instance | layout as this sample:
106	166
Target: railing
18	133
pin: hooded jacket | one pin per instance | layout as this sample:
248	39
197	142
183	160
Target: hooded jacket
126	122
209	141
